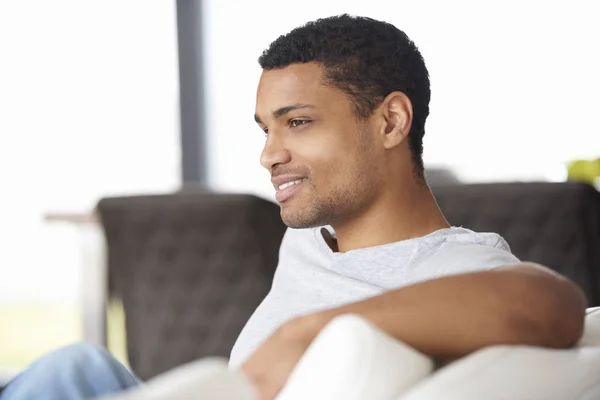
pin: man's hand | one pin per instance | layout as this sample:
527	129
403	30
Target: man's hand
272	363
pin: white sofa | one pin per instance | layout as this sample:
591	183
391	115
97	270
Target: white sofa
352	360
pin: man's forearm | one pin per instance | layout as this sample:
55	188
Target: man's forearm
455	315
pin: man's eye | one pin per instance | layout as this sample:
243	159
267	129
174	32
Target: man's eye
297	122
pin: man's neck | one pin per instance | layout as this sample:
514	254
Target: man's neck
397	215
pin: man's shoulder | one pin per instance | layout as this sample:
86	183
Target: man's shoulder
462	236
460	250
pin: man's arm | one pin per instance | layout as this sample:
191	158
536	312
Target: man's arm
445	318
455	315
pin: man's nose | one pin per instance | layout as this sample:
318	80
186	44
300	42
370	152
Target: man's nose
274	152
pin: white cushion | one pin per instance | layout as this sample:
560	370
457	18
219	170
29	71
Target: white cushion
498	373
207	379
353	360
520	372
591	332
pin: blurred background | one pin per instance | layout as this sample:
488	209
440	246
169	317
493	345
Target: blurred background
113	98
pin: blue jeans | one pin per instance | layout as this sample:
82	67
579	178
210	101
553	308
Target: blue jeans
76	372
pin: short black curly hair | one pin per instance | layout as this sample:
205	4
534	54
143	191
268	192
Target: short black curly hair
365	58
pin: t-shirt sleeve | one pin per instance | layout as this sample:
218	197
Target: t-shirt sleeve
461	258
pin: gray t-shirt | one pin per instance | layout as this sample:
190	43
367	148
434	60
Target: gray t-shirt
311	277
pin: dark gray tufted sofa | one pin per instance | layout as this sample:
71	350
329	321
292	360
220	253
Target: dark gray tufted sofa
190	270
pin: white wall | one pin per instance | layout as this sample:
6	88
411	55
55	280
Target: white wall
514	84
88	108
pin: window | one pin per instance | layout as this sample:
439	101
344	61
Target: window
89	108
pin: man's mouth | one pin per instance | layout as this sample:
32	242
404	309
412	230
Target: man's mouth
287	189
288	184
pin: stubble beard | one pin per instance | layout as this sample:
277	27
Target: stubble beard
355	192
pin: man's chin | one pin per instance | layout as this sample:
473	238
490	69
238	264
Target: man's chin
298	217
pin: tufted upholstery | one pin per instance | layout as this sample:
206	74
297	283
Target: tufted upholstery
555	224
190	269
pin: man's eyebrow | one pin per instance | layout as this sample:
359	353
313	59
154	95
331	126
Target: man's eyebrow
280	112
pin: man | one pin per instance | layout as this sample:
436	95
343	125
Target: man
343	103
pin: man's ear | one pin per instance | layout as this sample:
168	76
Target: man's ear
397	113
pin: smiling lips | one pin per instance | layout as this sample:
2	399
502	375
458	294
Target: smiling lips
286	187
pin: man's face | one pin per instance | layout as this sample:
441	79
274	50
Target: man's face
322	160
